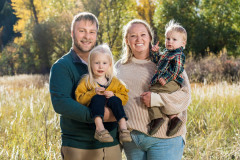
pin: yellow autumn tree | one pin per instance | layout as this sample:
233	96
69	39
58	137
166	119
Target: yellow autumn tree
146	10
112	16
28	12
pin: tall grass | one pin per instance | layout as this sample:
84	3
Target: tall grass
29	127
214	122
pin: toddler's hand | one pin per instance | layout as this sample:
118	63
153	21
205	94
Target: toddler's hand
162	81
155	48
108	94
99	90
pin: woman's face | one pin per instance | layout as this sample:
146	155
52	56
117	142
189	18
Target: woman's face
138	39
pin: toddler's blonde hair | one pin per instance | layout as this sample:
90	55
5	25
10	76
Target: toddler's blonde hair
100	49
172	25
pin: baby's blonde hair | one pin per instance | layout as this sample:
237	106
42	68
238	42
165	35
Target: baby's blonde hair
172	25
100	49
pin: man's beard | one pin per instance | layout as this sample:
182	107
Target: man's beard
78	46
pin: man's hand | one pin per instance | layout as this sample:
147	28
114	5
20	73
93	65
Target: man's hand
108	115
146	98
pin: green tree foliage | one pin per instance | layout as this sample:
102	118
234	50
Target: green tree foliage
212	25
7	60
182	11
7	20
45	29
1	43
223	17
112	16
92	6
146	9
51	40
44	25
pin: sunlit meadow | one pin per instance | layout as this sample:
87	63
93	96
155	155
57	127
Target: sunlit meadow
29	127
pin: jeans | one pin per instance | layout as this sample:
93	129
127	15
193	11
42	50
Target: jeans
144	147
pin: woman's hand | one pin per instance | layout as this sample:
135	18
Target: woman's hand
146	98
108	94
100	90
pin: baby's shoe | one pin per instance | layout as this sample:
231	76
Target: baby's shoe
154	125
173	126
103	136
125	136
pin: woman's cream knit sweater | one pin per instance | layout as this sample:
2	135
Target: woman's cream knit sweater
137	74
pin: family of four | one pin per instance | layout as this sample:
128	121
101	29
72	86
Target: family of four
138	104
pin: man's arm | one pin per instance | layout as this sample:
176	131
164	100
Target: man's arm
61	89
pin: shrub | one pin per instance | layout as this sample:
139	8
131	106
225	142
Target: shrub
212	69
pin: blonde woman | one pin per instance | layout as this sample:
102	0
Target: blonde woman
136	70
99	88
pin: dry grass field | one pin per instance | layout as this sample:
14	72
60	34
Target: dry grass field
29	127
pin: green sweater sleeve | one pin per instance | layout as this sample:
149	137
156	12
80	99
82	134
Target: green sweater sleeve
62	94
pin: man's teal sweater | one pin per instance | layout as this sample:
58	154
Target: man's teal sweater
77	126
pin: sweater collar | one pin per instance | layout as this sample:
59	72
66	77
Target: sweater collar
140	61
75	57
180	49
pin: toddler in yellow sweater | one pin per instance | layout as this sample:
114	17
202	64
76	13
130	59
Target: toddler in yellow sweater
101	88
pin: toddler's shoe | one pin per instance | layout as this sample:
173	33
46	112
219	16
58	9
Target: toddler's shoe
154	125
124	136
173	126
103	136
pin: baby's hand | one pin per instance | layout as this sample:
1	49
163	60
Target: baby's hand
99	90
108	94
155	48
162	81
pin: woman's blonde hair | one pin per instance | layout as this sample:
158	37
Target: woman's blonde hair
126	50
100	49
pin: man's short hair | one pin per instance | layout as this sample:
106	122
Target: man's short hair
86	16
